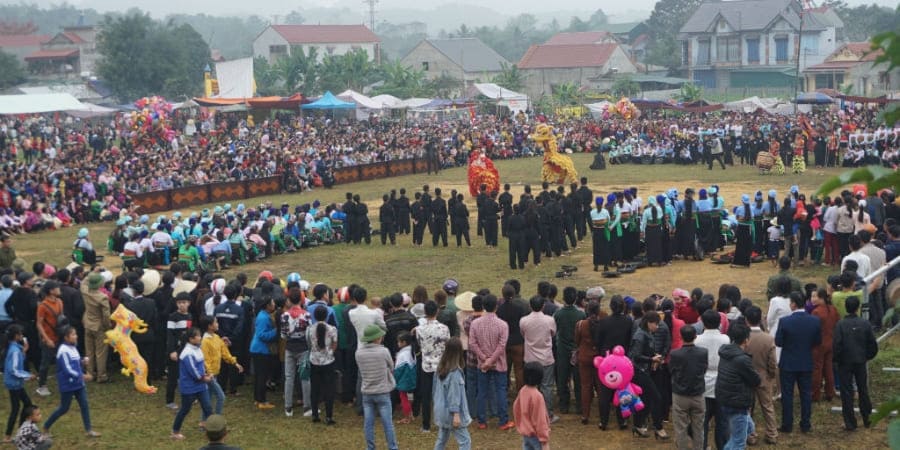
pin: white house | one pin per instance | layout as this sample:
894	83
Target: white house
756	43
278	41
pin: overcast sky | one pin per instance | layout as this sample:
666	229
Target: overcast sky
627	10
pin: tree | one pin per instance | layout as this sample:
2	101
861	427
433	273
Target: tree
889	45
266	78
445	86
401	81
625	87
565	94
665	52
690	92
11	72
864	21
352	70
510	77
141	57
299	72
294	18
665	22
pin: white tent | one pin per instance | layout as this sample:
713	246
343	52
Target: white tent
365	106
513	100
91	110
235	78
596	109
386	100
38	103
360	99
411	103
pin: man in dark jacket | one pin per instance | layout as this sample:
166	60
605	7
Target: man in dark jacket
735	384
607	334
459	217
797	334
145	309
397	321
489	210
688	367
854	345
516	229
232	329
402	209
438	218
388	219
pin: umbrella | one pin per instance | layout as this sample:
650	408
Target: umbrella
813	98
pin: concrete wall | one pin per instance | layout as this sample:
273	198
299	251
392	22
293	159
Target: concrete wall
438	63
266	39
270	37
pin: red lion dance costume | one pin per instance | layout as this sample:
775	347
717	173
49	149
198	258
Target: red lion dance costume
557	168
482	171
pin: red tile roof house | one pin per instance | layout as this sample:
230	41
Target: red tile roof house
586	65
853	64
278	41
21	45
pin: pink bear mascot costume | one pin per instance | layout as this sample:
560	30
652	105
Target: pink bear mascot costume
615	372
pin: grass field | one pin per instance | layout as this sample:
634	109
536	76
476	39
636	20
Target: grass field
130	420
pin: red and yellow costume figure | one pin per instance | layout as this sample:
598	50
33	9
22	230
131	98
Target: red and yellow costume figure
798	164
775	150
557	168
482	171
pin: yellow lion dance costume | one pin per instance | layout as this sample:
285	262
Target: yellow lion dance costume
557	168
120	340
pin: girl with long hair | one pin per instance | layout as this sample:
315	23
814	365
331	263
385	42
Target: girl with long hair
451	410
323	340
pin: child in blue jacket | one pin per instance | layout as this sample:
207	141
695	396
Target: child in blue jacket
71	378
14	377
192	381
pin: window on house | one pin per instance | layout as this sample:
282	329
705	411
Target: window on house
810	45
277	49
703	49
781	49
728	49
684	53
753	50
425	66
330	49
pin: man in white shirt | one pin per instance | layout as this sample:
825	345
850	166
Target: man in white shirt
712	339
863	263
362	316
877	259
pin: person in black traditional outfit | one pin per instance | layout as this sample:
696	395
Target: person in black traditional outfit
652	231
744	234
686	232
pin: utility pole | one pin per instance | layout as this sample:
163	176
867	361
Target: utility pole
371	4
803	5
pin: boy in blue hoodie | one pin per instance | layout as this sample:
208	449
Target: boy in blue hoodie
192	381
14	377
71	379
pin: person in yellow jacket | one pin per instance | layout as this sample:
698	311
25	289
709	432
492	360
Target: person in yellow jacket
214	352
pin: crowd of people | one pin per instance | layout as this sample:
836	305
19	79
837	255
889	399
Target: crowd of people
56	173
698	357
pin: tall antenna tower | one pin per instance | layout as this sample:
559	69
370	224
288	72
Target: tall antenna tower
371	4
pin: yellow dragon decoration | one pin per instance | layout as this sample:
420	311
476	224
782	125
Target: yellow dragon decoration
557	167
120	340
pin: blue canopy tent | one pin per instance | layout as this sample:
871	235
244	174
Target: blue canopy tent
329	101
813	98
